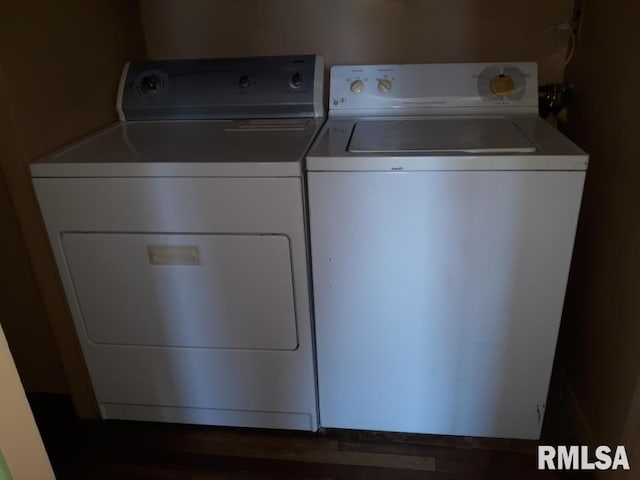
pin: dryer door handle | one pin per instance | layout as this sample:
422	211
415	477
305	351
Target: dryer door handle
170	255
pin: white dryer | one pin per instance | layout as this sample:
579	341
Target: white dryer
442	215
179	235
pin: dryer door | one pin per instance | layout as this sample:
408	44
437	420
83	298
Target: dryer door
199	290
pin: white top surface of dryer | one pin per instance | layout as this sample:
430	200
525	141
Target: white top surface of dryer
185	148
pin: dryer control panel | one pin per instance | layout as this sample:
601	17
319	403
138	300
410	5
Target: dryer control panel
261	87
473	86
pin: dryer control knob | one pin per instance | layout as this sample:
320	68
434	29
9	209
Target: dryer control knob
244	81
502	85
150	85
297	80
357	86
384	85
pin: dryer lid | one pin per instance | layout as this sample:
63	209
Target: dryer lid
187	148
469	135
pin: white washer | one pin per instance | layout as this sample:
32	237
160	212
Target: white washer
442	214
180	237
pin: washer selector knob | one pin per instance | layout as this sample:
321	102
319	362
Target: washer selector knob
384	85
502	85
357	86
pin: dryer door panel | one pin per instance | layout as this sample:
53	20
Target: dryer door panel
197	290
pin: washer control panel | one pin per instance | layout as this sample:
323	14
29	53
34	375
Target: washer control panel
462	85
265	87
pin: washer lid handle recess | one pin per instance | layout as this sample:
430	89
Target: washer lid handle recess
445	134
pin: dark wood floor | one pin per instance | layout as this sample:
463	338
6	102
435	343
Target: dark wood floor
81	449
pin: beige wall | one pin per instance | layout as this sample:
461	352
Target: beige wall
59	67
20	440
601	333
362	31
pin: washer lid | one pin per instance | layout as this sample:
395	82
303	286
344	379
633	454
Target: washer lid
479	135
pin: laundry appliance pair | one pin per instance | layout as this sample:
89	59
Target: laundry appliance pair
435	210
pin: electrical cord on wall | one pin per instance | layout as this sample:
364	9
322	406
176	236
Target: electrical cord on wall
568	28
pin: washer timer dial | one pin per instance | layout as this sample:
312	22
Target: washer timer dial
502	85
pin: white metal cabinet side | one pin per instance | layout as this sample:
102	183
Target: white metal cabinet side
438	297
